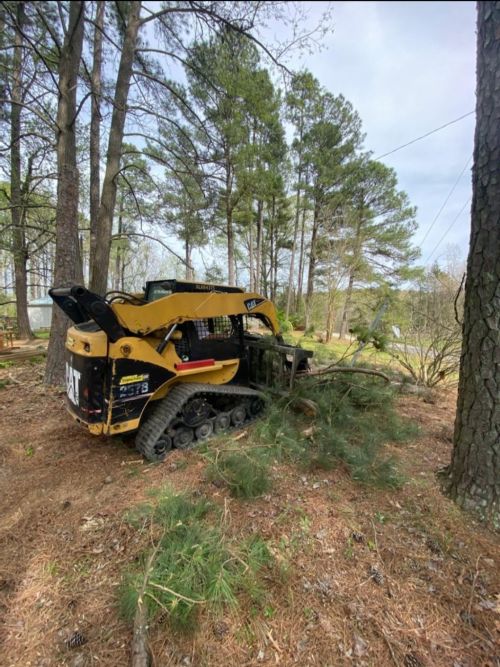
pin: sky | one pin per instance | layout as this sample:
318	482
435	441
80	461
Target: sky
408	68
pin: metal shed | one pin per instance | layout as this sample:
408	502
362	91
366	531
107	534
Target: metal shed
40	313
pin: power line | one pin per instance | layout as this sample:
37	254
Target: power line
394	150
446	200
447	231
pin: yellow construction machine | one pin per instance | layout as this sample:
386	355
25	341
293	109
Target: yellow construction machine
175	364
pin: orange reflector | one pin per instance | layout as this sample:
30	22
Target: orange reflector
187	365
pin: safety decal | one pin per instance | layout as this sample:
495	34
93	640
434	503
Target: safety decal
131	379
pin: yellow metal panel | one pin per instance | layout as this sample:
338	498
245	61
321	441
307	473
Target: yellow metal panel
88	344
183	306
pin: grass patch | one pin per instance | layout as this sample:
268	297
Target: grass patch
34	361
196	565
4	383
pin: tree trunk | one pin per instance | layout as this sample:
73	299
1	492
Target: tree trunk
473	478
274	258
291	275
312	267
99	263
330	315
258	258
251	258
271	258
300	282
118	258
19	250
68	267
344	325
95	129
187	250
357	249
230	246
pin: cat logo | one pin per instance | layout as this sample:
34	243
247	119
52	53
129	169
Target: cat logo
73	384
250	304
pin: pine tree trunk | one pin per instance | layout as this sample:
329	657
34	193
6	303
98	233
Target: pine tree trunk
258	259
271	260
251	267
291	275
330	315
68	267
344	325
300	282
95	129
99	262
312	268
355	262
20	254
187	259
119	258
473	478
230	246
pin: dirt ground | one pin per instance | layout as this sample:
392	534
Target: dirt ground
363	577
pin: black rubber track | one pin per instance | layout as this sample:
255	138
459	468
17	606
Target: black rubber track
168	408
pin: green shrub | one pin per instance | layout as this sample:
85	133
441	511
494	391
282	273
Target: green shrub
285	324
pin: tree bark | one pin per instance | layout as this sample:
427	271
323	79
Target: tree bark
251	268
344	325
300	281
187	252
95	129
291	275
230	246
357	250
312	267
473	477
19	249
68	266
99	262
118	258
258	258
330	315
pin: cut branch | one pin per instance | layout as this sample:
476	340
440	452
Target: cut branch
344	369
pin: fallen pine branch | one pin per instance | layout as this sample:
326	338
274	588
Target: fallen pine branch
343	369
140	653
306	406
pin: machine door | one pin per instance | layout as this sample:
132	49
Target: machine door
85	386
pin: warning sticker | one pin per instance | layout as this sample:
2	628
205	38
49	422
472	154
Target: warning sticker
130	379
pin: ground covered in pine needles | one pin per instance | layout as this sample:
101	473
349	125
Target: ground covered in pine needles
326	570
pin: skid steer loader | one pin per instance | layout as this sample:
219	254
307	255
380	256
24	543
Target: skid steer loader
175	364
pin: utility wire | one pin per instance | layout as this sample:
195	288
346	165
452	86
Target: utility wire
446	200
447	231
394	150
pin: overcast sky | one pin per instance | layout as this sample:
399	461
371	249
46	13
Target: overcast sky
408	68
